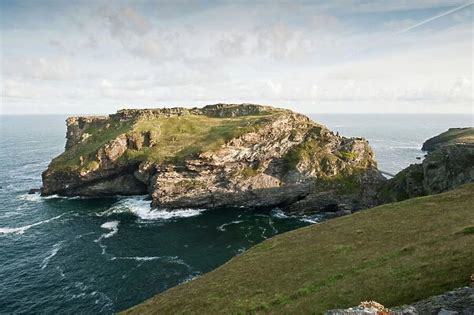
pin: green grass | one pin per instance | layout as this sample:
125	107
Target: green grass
349	156
452	136
100	135
249	171
395	254
182	137
177	138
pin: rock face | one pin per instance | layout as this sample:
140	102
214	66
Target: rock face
220	155
452	136
449	164
456	302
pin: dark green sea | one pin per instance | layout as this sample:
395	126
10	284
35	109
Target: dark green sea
99	256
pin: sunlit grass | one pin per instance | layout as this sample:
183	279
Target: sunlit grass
395	254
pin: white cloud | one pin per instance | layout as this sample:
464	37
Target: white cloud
300	53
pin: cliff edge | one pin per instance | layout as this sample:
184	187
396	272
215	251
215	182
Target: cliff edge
223	155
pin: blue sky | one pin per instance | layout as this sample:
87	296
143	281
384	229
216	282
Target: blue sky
311	56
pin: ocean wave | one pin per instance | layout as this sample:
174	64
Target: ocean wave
312	218
39	198
222	226
22	229
138	258
168	259
52	253
140	207
278	213
112	226
191	277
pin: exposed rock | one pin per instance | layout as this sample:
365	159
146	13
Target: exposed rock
456	302
33	191
447	167
76	127
452	136
220	155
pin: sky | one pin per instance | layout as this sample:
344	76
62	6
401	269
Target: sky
342	56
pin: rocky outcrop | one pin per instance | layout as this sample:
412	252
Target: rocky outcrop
450	137
448	165
456	302
220	155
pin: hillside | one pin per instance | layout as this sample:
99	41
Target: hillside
450	137
223	155
395	254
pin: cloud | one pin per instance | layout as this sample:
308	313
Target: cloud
299	53
231	46
123	22
55	69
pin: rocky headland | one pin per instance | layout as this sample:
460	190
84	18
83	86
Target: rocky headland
222	155
448	164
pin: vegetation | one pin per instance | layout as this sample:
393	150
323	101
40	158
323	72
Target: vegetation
100	134
249	171
306	151
349	156
451	136
179	137
395	254
185	136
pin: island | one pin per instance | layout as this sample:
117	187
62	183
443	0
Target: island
223	155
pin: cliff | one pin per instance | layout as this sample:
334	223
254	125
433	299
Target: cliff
450	137
448	164
222	155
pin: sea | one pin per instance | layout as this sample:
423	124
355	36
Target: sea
103	255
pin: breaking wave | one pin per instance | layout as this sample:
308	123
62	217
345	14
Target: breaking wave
222	226
112	226
278	213
22	229
52	253
168	259
140	207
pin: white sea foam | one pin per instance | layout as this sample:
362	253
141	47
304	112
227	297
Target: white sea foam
278	213
141	208
38	198
138	258
112	226
22	229
169	259
270	222
54	250
222	226
312	219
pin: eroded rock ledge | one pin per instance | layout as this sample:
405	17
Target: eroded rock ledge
223	155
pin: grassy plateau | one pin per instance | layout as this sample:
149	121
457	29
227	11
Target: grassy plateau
177	138
395	254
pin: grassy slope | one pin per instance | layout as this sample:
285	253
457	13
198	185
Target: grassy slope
185	136
394	254
452	136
